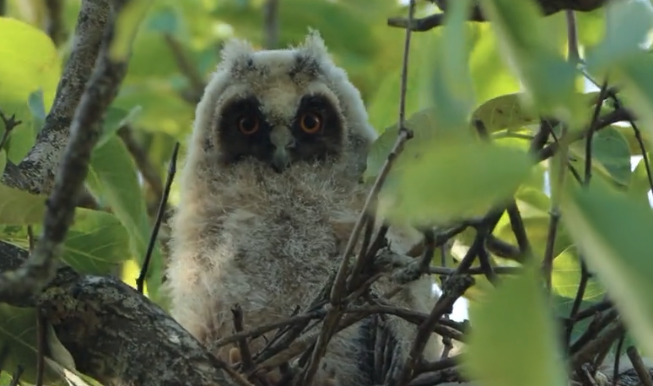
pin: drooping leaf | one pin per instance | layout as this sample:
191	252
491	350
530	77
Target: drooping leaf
113	178
37	109
614	232
18	207
427	189
566	276
610	155
30	63
620	44
126	27
547	76
514	313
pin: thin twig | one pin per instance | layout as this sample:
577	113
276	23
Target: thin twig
172	168
591	131
186	66
145	167
55	24
15	377
580	294
617	359
271	24
641	369
245	356
41	342
10	124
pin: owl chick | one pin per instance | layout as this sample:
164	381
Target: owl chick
270	192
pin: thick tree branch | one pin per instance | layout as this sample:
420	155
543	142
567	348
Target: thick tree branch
36	172
114	334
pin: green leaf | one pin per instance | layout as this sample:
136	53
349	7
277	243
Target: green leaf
615	231
18	337
113	178
547	76
639	183
37	109
450	85
620	44
514	313
428	189
126	27
610	155
30	62
637	87
18	207
566	276
537	230
3	160
114	119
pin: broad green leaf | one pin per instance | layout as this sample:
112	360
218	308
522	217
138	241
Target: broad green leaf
18	337
640	185
590	27
113	178
96	244
423	125
620	44
31	62
566	276
610	155
515	313
451	86
546	75
114	119
127	26
615	231
510	112
428	189
537	230
491	74
18	207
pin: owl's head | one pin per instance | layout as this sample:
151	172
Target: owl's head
281	107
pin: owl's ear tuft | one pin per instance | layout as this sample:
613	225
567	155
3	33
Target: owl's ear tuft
237	56
313	47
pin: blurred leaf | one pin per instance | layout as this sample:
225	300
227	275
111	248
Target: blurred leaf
450	84
30	62
18	336
37	109
428	189
126	26
639	183
537	230
590	27
514	313
547	76
114	119
610	155
509	111
18	207
620	44
165	19
3	161
566	276
615	233
113	178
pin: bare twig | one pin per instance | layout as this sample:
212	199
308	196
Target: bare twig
586	353
143	163
245	355
36	172
186	66
591	131
15	377
172	168
573	54
547	7
10	124
271	24
641	369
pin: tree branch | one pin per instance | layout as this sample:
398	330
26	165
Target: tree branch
548	7
36	172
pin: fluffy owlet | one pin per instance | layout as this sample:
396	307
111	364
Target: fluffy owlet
270	192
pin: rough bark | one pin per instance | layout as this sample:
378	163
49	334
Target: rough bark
36	172
115	334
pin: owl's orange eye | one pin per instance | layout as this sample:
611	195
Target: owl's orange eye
311	123
248	125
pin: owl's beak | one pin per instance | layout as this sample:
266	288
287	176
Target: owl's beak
283	141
